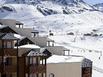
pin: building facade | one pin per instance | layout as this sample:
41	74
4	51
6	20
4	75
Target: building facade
14	65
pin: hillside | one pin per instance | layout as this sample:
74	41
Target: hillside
53	15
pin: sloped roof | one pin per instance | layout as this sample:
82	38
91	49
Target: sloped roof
1	27
35	31
33	46
5	29
1	35
34	52
87	63
19	23
19	36
7	36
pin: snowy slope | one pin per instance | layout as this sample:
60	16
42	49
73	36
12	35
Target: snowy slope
39	13
48	16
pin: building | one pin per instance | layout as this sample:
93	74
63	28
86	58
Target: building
23	53
68	66
30	33
19	56
14	63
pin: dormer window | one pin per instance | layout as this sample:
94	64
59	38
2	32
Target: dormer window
35	33
50	43
19	24
50	33
66	52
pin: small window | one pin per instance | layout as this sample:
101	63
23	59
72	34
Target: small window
66	52
51	75
9	44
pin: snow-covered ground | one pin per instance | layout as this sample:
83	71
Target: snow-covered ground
97	74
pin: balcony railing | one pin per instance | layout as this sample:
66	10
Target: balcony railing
36	68
8	51
10	68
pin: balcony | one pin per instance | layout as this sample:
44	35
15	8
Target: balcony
36	68
10	68
8	51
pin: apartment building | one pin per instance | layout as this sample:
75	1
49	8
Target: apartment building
19	62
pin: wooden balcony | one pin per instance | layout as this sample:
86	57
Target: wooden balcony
36	69
10	68
8	51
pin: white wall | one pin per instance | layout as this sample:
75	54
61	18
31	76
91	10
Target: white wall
64	69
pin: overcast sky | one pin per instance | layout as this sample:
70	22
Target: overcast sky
94	1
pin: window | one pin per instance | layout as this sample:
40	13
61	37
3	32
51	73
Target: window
66	52
7	60
8	44
51	75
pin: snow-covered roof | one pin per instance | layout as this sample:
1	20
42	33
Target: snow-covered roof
1	27
8	36
64	59
19	36
29	46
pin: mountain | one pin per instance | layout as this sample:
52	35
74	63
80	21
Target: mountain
99	6
48	7
55	15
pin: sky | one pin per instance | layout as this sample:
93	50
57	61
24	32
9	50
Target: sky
93	1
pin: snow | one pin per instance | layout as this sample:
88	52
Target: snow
18	36
63	59
97	74
29	46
